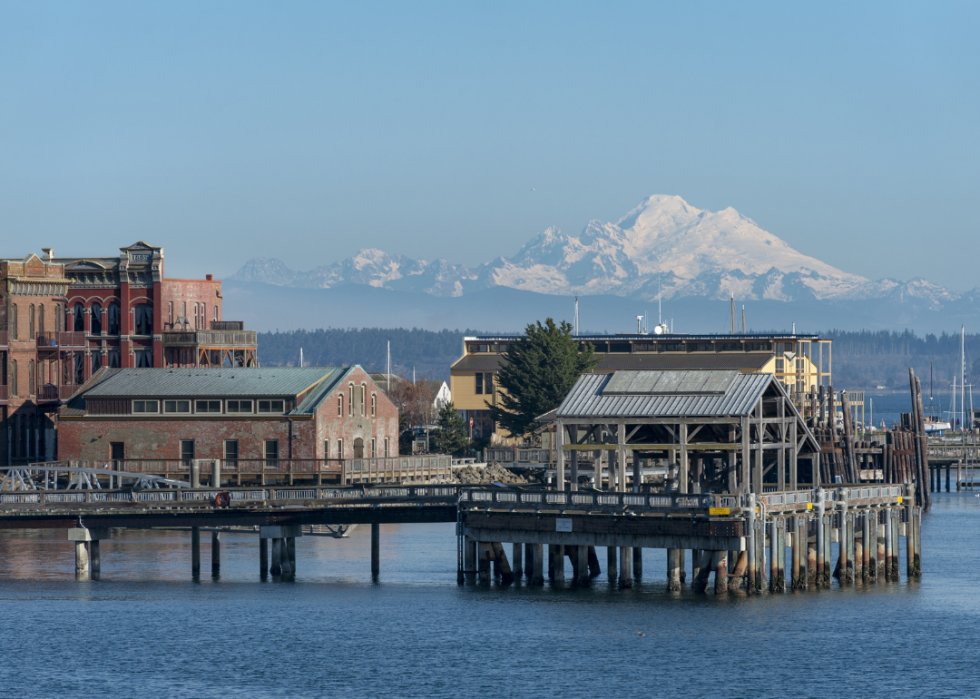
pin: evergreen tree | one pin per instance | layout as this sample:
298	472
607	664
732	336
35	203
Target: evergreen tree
450	438
541	368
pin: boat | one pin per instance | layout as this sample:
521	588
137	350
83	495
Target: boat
934	426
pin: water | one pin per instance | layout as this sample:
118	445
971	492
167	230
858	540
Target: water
146	629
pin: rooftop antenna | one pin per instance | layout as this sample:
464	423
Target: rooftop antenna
660	302
733	314
743	319
794	328
301	357
639	325
576	316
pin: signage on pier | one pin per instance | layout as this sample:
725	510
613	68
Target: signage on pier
563	524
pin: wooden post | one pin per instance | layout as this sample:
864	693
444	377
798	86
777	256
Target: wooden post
917	532
215	553
750	544
910	541
889	546
673	571
719	561
518	557
773	555
866	546
684	459
851	470
195	551
375	549
625	576
573	457
881	571
537	573
797	581
781	549
811	551
827	543
858	547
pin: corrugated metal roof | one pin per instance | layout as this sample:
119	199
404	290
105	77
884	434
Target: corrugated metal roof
324	388
188	383
669	383
587	398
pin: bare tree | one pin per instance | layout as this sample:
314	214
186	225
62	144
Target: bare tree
414	402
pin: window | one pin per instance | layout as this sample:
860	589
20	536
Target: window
96	311
117	451
340	406
170	313
758	347
671	347
30	323
350	399
363	399
340	448
96	361
207	406
30	377
386	448
779	365
231	451
13	323
176	406
488	383
186	450
374	404
79	318
698	346
272	451
143	319
195	316
728	347
146	406
619	347
271	406
215	314
239	406
40	319
479	383
373	453
113	319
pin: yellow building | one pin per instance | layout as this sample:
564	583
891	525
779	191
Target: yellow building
801	362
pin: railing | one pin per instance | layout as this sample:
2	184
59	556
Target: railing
57	340
210	338
519	455
66	392
48	392
516	498
227	325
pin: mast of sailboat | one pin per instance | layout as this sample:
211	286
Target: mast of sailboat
388	370
962	375
733	314
743	320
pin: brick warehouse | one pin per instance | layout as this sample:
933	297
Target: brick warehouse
230	414
62	319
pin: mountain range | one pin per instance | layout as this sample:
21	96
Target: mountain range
662	249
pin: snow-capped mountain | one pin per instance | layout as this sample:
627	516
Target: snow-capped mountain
664	243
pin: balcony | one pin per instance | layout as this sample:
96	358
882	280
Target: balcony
60	340
216	339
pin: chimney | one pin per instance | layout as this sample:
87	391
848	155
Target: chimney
209	277
47	254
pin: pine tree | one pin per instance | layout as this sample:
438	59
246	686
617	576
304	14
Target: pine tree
541	368
450	438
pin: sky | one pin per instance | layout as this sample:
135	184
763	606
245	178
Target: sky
308	130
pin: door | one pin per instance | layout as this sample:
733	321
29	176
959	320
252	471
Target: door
358	448
118	450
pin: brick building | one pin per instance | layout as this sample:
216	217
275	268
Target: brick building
230	414
62	319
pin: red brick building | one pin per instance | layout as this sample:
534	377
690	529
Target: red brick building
229	414
62	319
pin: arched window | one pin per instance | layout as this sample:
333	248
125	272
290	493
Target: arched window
363	399
13	322
30	324
96	311
113	323
195	316
340	405
350	399
30	378
79	321
13	377
215	314
143	319
374	405
40	319
170	313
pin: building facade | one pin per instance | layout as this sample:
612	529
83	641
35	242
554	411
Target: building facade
799	362
63	319
221	413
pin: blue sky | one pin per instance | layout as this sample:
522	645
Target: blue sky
305	131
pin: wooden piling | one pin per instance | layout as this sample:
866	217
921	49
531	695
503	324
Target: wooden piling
811	552
485	557
773	555
910	542
889	547
195	551
537	569
880	568
896	536
215	553
822	577
917	532
781	558
719	561
518	560
797	580
625	575
673	571
375	549
865	546
263	556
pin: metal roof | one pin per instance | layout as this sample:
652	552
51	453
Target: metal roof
588	398
653	336
748	361
198	382
669	383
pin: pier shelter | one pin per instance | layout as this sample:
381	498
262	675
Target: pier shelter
717	431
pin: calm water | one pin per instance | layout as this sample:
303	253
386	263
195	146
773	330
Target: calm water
147	630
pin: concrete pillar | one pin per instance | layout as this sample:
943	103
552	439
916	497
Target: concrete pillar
611	562
719	563
796	580
537	567
276	556
625	575
486	555
583	566
889	546
469	559
216	473
517	559
215	553
95	555
291	554
375	549
195	473
594	569
673	571
82	570
263	556
638	560
558	554
865	546
195	551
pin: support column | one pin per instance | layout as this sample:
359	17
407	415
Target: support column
558	556
573	457
889	546
673	571
881	570
291	554
910	539
469	559
700	583
917	532
486	555
797	581
612	562
195	551
263	556
82	570
503	565
215	553
638	561
822	577
811	552
594	569
781	550
866	546
517	556
773	556
719	562
95	555
560	454
583	579
375	549
750	584
276	556
625	578
537	570
897	542
695	564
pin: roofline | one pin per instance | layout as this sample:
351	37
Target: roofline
671	336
